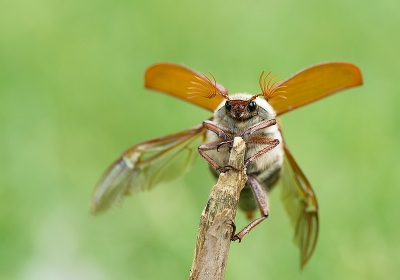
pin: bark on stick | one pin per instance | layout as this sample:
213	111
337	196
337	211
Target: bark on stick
215	230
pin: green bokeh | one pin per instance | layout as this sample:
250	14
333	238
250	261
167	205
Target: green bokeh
72	99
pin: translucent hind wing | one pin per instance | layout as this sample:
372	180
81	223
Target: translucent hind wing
301	205
146	165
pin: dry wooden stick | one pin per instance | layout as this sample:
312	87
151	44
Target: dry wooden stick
215	229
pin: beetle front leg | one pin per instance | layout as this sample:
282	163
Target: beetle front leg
259	126
220	130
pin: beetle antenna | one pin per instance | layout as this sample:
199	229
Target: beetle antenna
269	89
205	87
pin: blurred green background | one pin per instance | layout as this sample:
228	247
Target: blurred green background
72	100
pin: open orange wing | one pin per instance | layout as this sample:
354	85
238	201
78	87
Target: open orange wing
314	83
185	84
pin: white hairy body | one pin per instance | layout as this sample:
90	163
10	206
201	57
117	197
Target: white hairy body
265	168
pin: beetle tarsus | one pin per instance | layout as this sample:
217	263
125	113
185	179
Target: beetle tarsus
228	142
236	237
232	224
230	167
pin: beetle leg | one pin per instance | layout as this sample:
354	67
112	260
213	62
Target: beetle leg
261	197
258	126
272	143
232	224
207	147
220	130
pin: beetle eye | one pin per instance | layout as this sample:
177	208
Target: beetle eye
252	106
228	105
